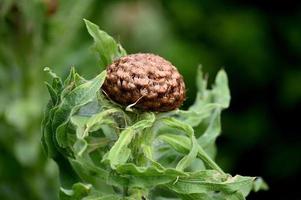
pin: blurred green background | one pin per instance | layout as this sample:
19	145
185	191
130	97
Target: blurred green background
257	42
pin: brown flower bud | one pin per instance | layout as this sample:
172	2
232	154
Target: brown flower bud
146	80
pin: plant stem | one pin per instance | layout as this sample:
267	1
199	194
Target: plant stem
208	161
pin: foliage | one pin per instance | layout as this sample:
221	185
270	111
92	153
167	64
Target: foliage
107	152
30	40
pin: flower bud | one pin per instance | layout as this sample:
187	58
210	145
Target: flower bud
146	80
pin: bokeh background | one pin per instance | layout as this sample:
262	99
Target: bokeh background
258	43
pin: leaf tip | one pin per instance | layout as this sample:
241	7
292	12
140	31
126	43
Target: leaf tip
90	26
222	73
86	20
46	69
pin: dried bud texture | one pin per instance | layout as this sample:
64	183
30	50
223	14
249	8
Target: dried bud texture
147	80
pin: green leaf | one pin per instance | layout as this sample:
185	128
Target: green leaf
148	177
213	196
105	197
221	93
201	83
213	130
68	175
47	132
52	74
79	122
89	172
78	191
194	116
52	93
182	144
259	184
120	152
187	129
179	142
71	102
206	110
212	181
71	77
95	121
107	48
202	196
80	146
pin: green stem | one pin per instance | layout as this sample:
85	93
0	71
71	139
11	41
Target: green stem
208	161
138	157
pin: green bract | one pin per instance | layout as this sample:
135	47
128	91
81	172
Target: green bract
107	152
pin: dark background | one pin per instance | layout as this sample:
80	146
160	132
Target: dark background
258	43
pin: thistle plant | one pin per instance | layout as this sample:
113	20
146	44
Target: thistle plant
113	140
